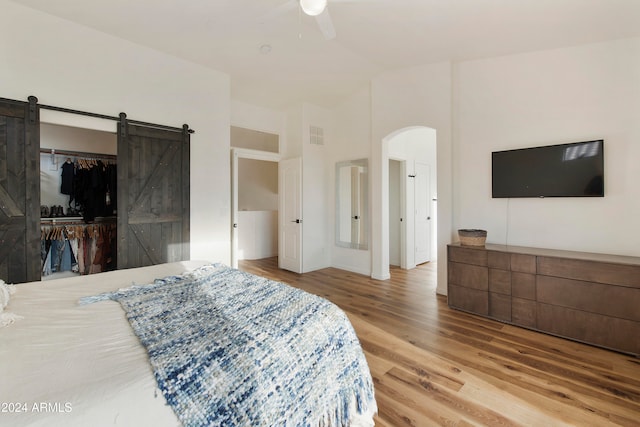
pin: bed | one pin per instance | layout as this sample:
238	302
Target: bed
84	353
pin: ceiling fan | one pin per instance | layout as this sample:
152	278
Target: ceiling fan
314	8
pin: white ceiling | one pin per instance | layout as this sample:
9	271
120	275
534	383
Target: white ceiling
372	36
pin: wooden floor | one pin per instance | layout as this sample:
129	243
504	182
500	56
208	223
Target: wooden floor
436	366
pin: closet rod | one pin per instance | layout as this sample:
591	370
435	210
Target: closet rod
78	154
102	116
81	113
62	221
77	223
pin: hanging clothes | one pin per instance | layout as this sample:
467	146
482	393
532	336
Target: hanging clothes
95	190
80	248
67	177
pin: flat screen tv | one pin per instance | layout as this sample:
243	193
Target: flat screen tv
564	170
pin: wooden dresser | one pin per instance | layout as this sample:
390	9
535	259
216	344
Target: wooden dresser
591	298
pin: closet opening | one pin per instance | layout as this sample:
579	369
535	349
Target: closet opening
78	200
152	199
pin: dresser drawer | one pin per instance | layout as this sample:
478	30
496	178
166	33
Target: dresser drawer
615	301
469	276
500	260
500	281
468	255
600	272
606	331
500	307
523	285
467	299
523	263
523	312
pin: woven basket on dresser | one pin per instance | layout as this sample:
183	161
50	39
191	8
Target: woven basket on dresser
472	237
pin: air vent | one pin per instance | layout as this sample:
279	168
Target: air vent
316	135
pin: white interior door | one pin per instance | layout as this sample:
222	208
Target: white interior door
290	190
395	212
234	208
422	221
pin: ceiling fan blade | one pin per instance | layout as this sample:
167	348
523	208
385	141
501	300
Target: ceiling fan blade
326	25
280	10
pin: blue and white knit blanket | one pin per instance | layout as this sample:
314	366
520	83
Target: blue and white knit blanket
232	349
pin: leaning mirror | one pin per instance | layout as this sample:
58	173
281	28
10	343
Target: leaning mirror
351	204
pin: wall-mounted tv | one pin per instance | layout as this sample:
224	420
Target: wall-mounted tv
564	170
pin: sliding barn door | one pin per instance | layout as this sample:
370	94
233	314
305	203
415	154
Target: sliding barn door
153	195
19	191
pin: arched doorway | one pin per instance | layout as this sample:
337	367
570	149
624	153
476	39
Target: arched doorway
380	207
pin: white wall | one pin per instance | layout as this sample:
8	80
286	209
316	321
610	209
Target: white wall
248	116
543	98
347	137
257	185
77	139
351	141
315	193
294	133
68	65
538	98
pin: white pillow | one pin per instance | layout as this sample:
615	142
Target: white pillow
5	292
4	295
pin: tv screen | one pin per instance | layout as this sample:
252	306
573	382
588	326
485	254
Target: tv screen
564	170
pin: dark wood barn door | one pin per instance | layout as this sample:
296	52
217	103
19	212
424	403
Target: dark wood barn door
19	191
153	195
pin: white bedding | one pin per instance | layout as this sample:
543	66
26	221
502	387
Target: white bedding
66	364
71	365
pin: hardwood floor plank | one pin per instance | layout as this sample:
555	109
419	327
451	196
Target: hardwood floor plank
436	366
426	369
408	404
447	400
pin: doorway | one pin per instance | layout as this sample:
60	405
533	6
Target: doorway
257	209
78	200
254	194
412	187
